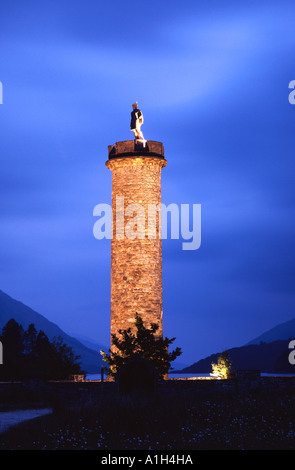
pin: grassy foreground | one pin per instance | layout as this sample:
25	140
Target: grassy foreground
174	421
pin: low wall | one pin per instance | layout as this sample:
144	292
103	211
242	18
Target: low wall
51	391
31	391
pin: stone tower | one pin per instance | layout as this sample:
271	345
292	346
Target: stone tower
136	256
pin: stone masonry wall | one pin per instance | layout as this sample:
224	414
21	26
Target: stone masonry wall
136	264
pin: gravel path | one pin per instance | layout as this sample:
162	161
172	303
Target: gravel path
10	418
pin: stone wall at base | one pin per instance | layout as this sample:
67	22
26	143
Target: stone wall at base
10	391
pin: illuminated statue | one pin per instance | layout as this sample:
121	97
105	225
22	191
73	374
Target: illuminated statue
136	122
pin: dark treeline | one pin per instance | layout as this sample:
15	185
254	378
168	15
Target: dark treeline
28	354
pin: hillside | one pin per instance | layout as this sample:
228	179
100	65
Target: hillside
91	360
266	357
284	330
268	352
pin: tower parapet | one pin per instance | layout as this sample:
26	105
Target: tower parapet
133	148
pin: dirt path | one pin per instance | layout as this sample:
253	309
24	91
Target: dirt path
10	418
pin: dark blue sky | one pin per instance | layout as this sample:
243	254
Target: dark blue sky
212	80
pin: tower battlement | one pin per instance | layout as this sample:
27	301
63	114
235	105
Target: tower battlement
133	148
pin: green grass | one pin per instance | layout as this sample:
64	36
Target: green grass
169	421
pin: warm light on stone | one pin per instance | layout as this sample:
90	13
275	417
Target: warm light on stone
136	264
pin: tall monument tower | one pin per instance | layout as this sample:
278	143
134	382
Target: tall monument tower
136	255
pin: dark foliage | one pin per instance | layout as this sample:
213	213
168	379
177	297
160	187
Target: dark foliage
143	342
30	355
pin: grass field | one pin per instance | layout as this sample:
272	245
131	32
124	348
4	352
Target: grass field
175	421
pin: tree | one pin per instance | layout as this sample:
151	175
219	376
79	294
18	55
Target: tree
66	361
55	360
29	339
45	357
143	342
223	368
12	340
29	352
28	355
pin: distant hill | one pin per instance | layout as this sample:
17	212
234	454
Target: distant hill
284	330
89	343
177	366
267	353
266	357
91	360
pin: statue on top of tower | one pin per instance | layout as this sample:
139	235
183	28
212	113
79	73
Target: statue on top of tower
136	122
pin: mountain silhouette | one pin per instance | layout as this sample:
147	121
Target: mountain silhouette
268	353
266	357
284	330
90	359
